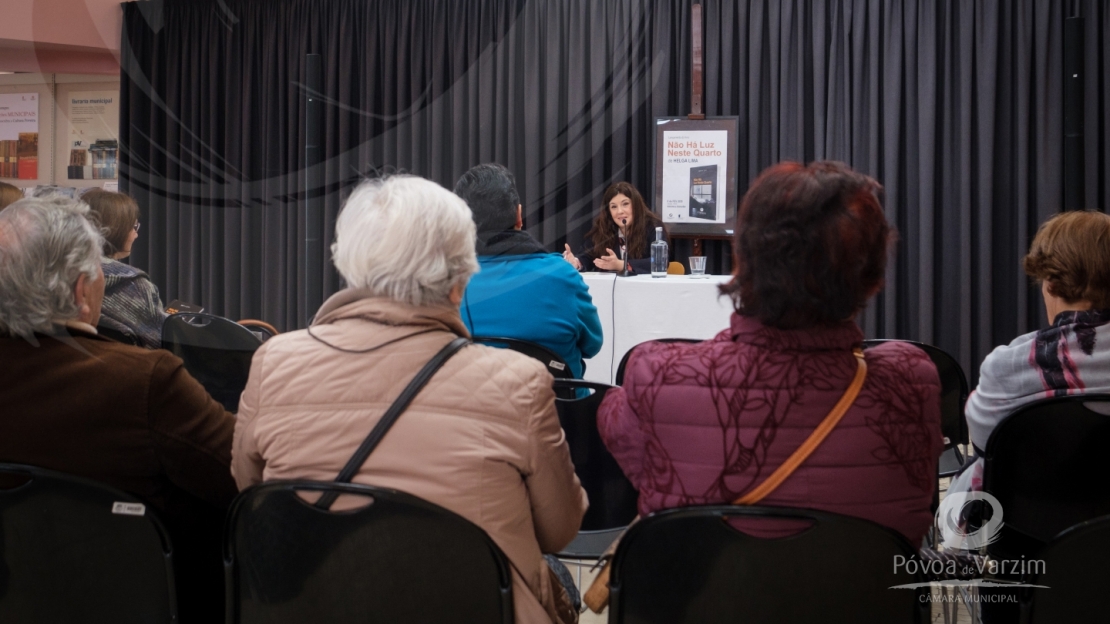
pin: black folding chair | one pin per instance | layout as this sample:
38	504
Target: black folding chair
619	379
1045	465
953	395
1072	567
396	558
216	351
612	496
692	565
75	550
555	364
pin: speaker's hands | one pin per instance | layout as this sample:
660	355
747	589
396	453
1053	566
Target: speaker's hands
609	262
569	256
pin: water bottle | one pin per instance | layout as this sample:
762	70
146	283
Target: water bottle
659	255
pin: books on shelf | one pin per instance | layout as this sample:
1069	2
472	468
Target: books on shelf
20	158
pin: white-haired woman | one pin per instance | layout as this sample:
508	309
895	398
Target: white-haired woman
481	439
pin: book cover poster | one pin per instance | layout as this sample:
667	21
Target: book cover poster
93	135
19	135
692	163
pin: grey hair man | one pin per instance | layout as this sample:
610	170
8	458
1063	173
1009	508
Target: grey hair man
82	404
523	291
49	267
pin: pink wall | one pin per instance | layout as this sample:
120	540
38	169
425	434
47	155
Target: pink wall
61	36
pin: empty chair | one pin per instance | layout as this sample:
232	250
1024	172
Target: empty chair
555	364
75	550
391	558
953	395
612	495
1075	574
216	351
691	565
619	379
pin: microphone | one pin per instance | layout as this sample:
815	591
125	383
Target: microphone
624	249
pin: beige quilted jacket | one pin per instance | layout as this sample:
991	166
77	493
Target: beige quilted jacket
482	439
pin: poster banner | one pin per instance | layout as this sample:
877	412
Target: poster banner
695	163
93	135
19	135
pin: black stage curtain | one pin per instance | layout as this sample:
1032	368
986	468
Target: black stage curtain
955	106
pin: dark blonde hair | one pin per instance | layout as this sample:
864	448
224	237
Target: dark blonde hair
1072	252
9	194
115	213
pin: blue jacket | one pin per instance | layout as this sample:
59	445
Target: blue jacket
527	293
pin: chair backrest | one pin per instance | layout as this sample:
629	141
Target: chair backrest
263	330
216	351
612	496
1046	464
1073	568
555	364
953	390
396	558
75	550
692	565
619	379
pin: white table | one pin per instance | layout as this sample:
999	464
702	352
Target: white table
641	308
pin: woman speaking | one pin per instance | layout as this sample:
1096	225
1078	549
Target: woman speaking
623	221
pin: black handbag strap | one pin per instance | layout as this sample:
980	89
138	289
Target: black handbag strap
378	432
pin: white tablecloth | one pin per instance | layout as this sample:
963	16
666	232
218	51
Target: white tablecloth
641	308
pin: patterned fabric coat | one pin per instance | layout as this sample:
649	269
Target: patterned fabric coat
699	424
132	305
1068	357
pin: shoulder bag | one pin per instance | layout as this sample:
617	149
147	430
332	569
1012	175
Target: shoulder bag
597	596
378	432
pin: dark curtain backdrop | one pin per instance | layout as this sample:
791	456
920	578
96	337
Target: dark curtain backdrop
954	105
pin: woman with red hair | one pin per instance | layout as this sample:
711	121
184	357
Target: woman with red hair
705	423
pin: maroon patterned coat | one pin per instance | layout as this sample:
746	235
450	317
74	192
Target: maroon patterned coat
699	424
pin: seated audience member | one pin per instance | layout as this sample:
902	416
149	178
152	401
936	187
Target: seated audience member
84	405
482	438
132	306
699	424
1070	257
522	291
623	221
9	194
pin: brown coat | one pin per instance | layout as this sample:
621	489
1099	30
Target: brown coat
134	419
481	439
